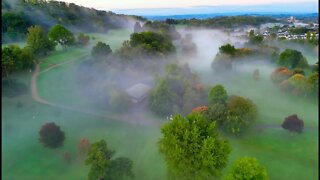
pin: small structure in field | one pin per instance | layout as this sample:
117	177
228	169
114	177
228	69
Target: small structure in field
138	92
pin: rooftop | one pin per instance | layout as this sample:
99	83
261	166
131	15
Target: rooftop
138	91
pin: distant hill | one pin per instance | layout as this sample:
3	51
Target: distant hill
313	16
18	15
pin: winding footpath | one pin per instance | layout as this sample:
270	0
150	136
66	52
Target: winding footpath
125	118
37	98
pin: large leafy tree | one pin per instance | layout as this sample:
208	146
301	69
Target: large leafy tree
61	35
51	135
192	148
241	114
161	98
9	58
103	167
291	59
246	168
152	42
101	49
38	41
14	58
217	95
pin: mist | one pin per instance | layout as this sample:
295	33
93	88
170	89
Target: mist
79	88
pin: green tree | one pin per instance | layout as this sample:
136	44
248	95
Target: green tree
291	59
228	49
161	98
312	84
241	114
192	148
61	35
101	49
38	42
256	39
217	95
103	167
247	168
9	57
152	42
14	58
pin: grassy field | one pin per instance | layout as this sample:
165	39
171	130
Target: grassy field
285	157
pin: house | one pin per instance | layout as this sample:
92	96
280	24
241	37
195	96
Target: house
291	19
138	92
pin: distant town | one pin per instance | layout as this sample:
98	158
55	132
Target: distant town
293	29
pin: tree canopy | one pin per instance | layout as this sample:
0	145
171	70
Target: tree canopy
15	59
293	124
61	35
291	59
241	114
51	135
101	49
104	166
228	49
38	41
192	148
246	168
217	95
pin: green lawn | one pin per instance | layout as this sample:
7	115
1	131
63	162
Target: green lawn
285	157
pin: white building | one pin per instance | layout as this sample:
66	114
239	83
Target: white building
138	92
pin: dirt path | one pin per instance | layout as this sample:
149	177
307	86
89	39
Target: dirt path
37	98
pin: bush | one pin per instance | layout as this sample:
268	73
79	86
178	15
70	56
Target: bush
280	74
51	135
228	49
217	95
101	49
293	124
247	168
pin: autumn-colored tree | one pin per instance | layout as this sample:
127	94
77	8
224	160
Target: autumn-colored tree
285	86
280	74
200	109
293	124
51	135
83	146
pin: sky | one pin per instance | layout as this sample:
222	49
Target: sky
169	7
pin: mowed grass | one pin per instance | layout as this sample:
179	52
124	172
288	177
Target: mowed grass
285	156
25	158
